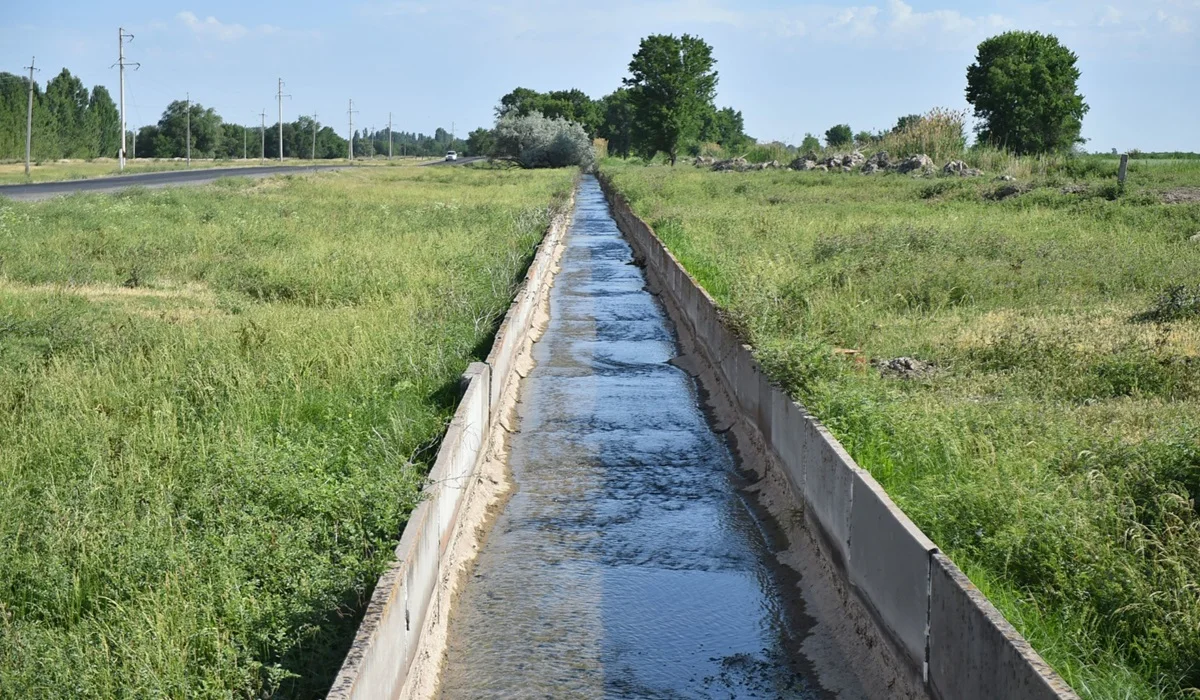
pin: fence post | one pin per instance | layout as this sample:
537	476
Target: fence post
1122	170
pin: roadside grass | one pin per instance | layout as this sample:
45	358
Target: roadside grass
217	406
13	173
1053	450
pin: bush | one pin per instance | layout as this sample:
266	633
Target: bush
535	141
839	135
939	134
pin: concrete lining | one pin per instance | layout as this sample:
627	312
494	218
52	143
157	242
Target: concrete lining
951	637
401	639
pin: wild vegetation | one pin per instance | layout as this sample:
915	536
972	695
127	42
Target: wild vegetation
1044	429
219	404
69	120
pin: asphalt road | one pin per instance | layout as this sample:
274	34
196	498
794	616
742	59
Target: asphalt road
169	178
460	161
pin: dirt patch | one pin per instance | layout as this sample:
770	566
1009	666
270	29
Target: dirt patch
1006	191
1181	195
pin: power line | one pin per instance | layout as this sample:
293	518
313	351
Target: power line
350	112
29	114
279	98
122	35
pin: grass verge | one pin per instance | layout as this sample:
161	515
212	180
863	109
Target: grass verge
1048	434
218	405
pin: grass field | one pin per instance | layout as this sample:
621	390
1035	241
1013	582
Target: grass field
216	408
1048	438
14	173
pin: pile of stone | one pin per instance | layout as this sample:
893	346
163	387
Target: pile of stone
961	169
738	164
879	161
704	161
918	164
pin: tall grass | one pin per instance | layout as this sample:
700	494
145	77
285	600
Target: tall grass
216	409
939	134
1055	451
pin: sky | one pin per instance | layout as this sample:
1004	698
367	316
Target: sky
790	67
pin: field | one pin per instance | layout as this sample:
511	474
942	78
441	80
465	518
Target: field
1045	428
217	405
14	173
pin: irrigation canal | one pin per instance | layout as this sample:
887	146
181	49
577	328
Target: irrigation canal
627	562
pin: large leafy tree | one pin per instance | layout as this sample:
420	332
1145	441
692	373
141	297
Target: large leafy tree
572	105
171	141
724	126
67	100
105	122
617	122
1023	86
671	87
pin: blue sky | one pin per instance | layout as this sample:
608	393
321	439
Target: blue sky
790	67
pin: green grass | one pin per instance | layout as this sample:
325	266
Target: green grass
14	173
1054	451
217	406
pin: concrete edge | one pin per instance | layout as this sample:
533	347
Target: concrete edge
884	557
389	637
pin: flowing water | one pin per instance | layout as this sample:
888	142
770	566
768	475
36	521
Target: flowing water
627	563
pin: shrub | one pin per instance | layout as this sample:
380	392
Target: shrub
939	134
535	141
839	135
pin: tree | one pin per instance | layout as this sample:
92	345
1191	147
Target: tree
724	126
672	84
864	138
617	122
105	122
171	140
480	142
1023	86
67	100
535	141
838	136
810	144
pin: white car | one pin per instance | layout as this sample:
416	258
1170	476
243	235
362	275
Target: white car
451	155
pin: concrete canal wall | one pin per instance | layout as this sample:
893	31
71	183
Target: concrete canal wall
953	639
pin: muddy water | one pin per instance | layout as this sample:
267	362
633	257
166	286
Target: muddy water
626	563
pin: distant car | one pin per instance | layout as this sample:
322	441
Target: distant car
451	155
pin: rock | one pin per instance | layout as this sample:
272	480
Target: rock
1005	192
869	168
846	168
803	163
1195	240
822	167
1075	189
1005	178
734	164
905	368
854	159
881	160
919	162
961	169
703	161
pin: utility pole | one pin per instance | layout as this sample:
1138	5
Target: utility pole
262	155
350	113
245	131
389	135
188	99
314	151
29	115
279	98
122	35
133	150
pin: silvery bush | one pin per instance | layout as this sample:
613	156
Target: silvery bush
536	141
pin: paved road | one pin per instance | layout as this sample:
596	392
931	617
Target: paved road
169	178
460	161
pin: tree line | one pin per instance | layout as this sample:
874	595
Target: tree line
666	105
70	121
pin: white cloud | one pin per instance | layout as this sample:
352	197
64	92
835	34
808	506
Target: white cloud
1174	24
856	22
398	8
1111	17
212	27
